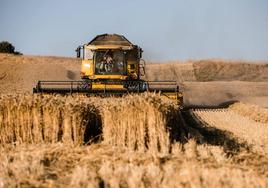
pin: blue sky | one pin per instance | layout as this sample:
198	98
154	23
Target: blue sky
166	30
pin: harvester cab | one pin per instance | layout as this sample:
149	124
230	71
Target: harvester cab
111	65
110	57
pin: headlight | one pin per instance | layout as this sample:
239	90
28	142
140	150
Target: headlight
87	65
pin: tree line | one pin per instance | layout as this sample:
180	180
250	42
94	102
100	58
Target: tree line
7	47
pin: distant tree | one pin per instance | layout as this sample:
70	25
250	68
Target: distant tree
6	47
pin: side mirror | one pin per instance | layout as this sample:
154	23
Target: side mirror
78	53
140	53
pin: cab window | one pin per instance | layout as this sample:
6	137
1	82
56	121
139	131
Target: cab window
110	62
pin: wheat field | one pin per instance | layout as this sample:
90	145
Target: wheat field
133	141
137	122
97	165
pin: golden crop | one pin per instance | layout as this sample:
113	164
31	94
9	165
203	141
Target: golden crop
78	141
137	122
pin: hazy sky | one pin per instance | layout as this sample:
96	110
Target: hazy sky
165	29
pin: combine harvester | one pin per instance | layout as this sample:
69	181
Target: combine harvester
111	66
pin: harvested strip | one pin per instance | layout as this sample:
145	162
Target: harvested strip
256	134
252	111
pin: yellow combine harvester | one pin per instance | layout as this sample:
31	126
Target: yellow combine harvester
111	65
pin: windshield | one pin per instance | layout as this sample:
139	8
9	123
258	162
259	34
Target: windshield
109	62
